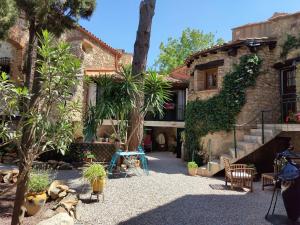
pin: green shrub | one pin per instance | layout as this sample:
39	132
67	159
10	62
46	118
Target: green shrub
192	165
39	181
93	172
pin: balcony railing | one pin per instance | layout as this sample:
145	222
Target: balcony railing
176	114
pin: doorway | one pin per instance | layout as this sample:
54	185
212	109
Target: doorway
288	92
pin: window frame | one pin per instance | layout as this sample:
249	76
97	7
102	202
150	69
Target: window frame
211	72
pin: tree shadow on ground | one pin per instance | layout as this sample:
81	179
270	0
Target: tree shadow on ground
210	209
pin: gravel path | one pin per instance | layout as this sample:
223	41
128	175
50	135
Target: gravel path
169	197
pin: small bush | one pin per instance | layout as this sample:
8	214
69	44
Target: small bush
39	181
192	165
93	172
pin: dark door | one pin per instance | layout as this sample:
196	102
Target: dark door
179	142
288	91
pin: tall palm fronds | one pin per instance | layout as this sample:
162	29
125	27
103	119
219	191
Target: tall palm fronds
116	99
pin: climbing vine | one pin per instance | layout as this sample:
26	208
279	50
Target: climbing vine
219	112
290	43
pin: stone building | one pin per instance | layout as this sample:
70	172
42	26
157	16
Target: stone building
97	57
275	91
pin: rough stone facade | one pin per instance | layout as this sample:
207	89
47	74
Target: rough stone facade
97	59
266	94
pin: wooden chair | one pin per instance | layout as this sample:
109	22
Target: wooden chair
239	175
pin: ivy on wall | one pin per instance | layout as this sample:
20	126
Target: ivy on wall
219	112
290	43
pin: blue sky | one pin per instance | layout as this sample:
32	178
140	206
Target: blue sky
116	21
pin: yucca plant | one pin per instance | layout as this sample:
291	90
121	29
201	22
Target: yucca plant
117	99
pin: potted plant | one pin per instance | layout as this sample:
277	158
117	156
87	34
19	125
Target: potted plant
95	174
36	197
88	156
192	168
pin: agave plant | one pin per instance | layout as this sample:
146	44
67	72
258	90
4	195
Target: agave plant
116	99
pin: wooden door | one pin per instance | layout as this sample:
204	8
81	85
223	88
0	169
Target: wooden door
288	91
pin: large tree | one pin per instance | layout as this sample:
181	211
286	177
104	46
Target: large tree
8	14
50	120
56	16
176	50
141	48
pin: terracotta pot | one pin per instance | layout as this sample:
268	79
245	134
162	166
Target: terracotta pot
98	185
192	171
34	202
137	163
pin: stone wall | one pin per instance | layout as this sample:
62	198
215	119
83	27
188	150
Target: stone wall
264	96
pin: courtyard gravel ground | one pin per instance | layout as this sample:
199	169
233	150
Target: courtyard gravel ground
170	197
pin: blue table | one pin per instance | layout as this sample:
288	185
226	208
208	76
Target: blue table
119	153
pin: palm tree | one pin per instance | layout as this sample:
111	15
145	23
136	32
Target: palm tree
117	99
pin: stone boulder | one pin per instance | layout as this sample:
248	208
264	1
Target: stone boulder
58	219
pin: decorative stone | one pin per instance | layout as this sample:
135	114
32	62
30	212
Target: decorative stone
62	194
65	166
59	219
63	187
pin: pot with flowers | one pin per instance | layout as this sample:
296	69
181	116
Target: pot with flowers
95	174
36	197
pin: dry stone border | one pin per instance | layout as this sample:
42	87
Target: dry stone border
9	175
66	202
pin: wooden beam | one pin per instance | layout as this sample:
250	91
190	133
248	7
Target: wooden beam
210	65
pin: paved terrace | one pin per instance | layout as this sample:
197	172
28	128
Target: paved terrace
169	197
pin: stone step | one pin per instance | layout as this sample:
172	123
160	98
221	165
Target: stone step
214	166
267	132
203	171
267	126
225	156
240	152
247	146
256	138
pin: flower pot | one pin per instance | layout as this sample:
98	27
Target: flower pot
137	163
192	171
98	185
34	202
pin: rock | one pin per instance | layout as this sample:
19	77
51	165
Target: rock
64	166
58	219
62	194
77	210
8	178
15	171
71	191
39	165
53	163
61	209
48	213
63	187
53	191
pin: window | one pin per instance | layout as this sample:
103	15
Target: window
291	78
211	78
5	65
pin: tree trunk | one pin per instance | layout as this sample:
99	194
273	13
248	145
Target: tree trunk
139	63
26	141
30	64
18	212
